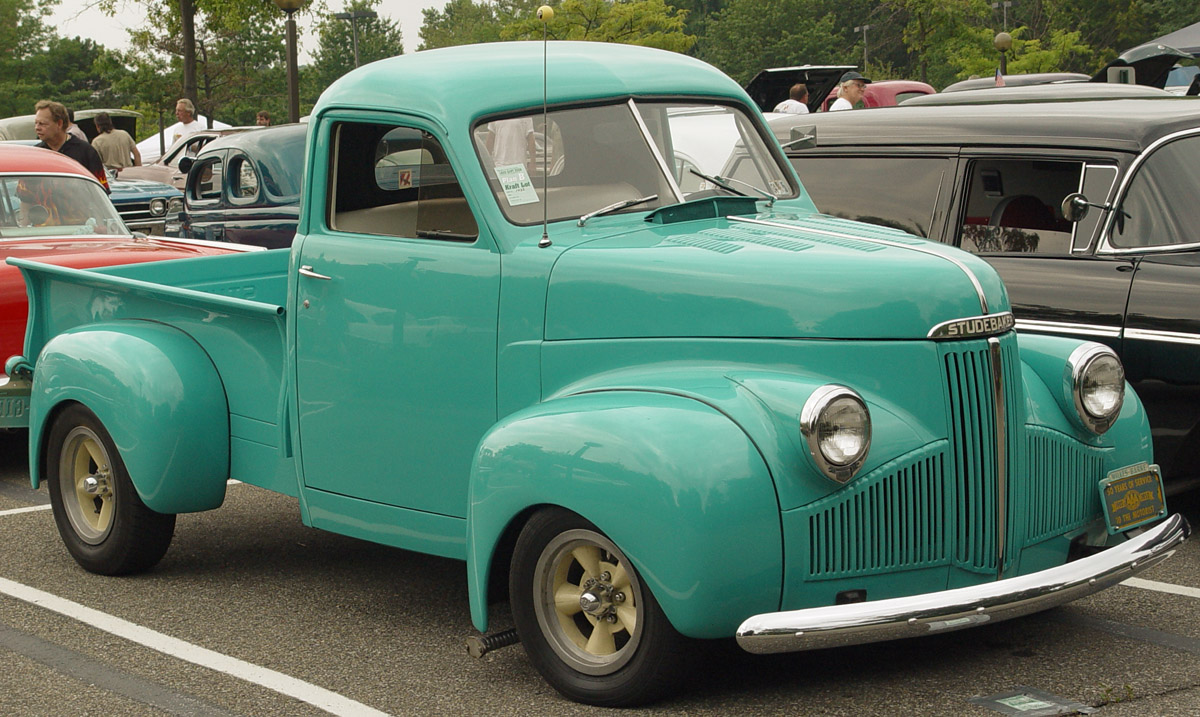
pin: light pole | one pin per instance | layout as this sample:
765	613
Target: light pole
354	16
293	76
1003	42
864	29
1006	5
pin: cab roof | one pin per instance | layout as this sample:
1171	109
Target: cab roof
1113	124
24	159
457	85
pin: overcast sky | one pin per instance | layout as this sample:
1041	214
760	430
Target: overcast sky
78	17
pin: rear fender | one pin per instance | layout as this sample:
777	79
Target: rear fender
675	483
158	395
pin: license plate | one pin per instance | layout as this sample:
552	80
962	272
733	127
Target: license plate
1132	496
14	404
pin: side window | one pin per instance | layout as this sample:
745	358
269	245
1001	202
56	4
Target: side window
1014	205
395	181
243	179
204	181
1160	208
897	192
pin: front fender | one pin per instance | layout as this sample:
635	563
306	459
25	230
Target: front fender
159	396
676	484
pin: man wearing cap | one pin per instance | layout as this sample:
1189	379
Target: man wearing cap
850	93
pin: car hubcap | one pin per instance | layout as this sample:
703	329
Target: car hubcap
587	602
85	480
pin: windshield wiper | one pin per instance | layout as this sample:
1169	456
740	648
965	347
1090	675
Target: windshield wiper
723	183
615	207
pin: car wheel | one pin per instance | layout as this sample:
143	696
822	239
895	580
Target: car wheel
101	519
587	622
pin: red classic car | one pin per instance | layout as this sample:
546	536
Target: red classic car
52	210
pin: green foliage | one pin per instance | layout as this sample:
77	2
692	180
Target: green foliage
749	35
23	35
650	23
464	22
378	38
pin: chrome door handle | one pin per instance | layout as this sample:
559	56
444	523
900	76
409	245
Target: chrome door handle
308	271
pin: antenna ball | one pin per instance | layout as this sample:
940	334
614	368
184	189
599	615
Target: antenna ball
545	13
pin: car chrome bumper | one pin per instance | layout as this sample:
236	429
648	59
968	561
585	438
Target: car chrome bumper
960	608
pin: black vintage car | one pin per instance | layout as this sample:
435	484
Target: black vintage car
244	188
993	179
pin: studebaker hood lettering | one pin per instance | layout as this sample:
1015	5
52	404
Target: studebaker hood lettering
790	278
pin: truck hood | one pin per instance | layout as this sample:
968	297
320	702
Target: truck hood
770	276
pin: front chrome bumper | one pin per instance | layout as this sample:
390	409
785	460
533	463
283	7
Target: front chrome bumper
857	623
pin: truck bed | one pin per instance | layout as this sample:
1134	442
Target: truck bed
232	305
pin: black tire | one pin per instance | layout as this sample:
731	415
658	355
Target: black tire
619	652
105	525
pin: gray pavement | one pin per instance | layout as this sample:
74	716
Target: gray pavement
385	628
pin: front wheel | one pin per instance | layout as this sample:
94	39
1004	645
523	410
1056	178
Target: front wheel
587	623
101	518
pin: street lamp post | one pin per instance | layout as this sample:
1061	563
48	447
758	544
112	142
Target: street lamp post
354	16
1003	42
863	29
293	75
1006	5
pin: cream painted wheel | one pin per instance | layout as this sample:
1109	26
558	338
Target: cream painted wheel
588	602
102	521
85	480
589	624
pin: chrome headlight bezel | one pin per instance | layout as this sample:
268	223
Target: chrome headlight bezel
813	420
1083	365
174	205
158	206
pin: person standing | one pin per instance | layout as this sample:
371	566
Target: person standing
50	121
850	91
797	101
116	148
72	128
185	112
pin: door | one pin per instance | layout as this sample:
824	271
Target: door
395	323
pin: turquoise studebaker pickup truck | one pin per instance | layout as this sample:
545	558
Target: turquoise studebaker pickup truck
654	406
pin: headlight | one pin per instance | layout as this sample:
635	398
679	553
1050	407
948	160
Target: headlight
158	206
175	205
837	427
1097	385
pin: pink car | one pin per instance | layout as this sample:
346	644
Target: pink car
886	93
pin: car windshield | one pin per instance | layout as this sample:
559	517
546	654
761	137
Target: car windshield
45	204
583	159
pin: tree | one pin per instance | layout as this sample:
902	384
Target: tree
650	23
749	35
378	38
464	22
23	34
932	24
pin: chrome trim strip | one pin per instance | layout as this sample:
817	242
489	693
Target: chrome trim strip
997	367
1170	337
205	242
1061	327
1104	246
983	305
973	327
662	162
946	610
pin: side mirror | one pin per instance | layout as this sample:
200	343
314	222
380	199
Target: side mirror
1075	207
185	164
802	137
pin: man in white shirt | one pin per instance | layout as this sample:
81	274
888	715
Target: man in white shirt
850	91
797	101
185	112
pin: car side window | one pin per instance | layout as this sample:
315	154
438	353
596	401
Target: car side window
1014	205
396	181
897	192
1160	207
205	180
243	179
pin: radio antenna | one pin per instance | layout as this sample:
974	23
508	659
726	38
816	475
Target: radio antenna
545	13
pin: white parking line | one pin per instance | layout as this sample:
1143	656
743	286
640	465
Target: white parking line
1162	587
319	697
30	509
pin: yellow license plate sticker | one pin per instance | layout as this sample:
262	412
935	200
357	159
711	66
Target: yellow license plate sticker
1132	496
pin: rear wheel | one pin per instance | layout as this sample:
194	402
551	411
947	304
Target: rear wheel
588	624
101	518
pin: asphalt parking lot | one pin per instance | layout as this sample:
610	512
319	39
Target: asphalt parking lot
251	613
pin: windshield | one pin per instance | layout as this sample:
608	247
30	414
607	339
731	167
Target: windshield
42	205
588	158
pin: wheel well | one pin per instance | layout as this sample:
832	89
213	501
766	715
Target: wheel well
497	591
51	417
